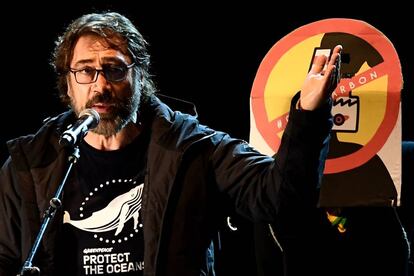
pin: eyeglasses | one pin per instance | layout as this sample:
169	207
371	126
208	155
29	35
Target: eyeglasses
111	72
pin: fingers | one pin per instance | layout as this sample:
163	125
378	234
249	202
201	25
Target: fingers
322	63
322	79
333	70
318	64
336	60
335	55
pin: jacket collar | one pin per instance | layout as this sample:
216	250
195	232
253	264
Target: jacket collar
173	130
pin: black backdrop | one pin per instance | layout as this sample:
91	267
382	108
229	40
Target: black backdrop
204	53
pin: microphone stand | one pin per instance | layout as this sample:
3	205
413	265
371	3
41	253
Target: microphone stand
54	204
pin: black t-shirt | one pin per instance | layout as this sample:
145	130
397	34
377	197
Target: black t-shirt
102	231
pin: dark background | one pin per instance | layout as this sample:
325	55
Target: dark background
207	54
204	53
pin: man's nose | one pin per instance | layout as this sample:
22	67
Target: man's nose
101	81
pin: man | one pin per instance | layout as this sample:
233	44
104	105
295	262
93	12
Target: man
150	184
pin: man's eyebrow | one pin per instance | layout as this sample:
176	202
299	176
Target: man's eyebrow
104	59
82	62
114	59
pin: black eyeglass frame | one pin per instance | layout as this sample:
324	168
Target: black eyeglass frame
106	72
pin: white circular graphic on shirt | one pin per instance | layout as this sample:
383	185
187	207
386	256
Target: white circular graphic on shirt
113	216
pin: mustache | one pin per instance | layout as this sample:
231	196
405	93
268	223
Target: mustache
106	98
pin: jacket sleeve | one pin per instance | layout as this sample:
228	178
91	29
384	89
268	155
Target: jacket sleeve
9	222
261	186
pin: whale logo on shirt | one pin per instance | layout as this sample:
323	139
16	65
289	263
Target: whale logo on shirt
114	215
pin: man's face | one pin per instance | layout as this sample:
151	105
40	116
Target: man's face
113	93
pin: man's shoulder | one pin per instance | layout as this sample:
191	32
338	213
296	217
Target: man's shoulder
34	145
176	104
55	123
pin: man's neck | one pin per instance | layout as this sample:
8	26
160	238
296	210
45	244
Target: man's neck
116	141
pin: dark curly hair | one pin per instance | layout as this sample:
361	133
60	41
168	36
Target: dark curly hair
119	33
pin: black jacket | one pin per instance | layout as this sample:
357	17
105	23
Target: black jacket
193	172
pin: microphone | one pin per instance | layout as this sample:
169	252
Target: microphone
88	119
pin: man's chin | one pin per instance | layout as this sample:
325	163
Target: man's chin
108	127
107	116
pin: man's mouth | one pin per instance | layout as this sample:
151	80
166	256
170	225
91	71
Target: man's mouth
102	107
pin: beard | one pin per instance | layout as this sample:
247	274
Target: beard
122	110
